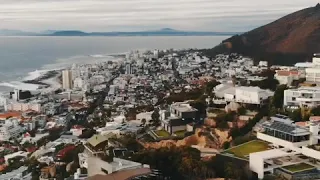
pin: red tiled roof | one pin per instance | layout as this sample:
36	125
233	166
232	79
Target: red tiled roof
10	114
64	151
287	73
77	127
283	73
302	124
27	135
294	72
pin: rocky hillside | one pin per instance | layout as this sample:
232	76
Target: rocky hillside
292	38
201	138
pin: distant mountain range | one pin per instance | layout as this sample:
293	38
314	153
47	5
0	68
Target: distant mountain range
161	32
290	39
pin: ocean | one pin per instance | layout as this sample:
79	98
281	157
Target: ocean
21	56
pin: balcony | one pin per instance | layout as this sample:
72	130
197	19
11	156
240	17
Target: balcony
308	99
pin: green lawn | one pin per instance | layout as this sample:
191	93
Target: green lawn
298	167
243	150
162	133
180	133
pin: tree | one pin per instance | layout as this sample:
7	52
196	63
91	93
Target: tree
268	83
272	110
210	85
242	111
232	171
226	145
108	113
143	121
175	162
108	157
296	115
200	106
277	100
297	82
155	118
315	111
87	133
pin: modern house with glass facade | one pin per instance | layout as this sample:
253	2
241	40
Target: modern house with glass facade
293	150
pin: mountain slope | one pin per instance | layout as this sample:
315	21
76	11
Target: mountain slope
295	36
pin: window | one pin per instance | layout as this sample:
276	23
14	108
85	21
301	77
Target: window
293	98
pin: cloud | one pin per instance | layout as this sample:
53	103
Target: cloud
109	15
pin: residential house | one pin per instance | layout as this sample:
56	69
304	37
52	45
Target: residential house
180	114
303	97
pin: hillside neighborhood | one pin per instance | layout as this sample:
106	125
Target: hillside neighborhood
166	115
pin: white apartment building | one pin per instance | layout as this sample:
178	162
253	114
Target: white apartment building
287	77
242	94
17	106
316	59
29	125
67	79
113	90
252	95
307	97
10	129
313	74
288	142
263	63
3	102
78	83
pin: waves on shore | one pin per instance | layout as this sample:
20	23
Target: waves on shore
27	83
34	75
86	59
18	85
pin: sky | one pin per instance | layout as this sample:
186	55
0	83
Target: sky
136	15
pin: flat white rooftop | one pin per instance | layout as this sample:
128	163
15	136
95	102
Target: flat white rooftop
305	89
270	154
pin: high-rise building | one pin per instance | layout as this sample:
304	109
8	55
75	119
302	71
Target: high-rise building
156	53
15	94
128	68
66	79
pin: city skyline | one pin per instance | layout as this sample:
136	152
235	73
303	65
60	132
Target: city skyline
139	15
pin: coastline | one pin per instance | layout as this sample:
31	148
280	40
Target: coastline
40	79
46	81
